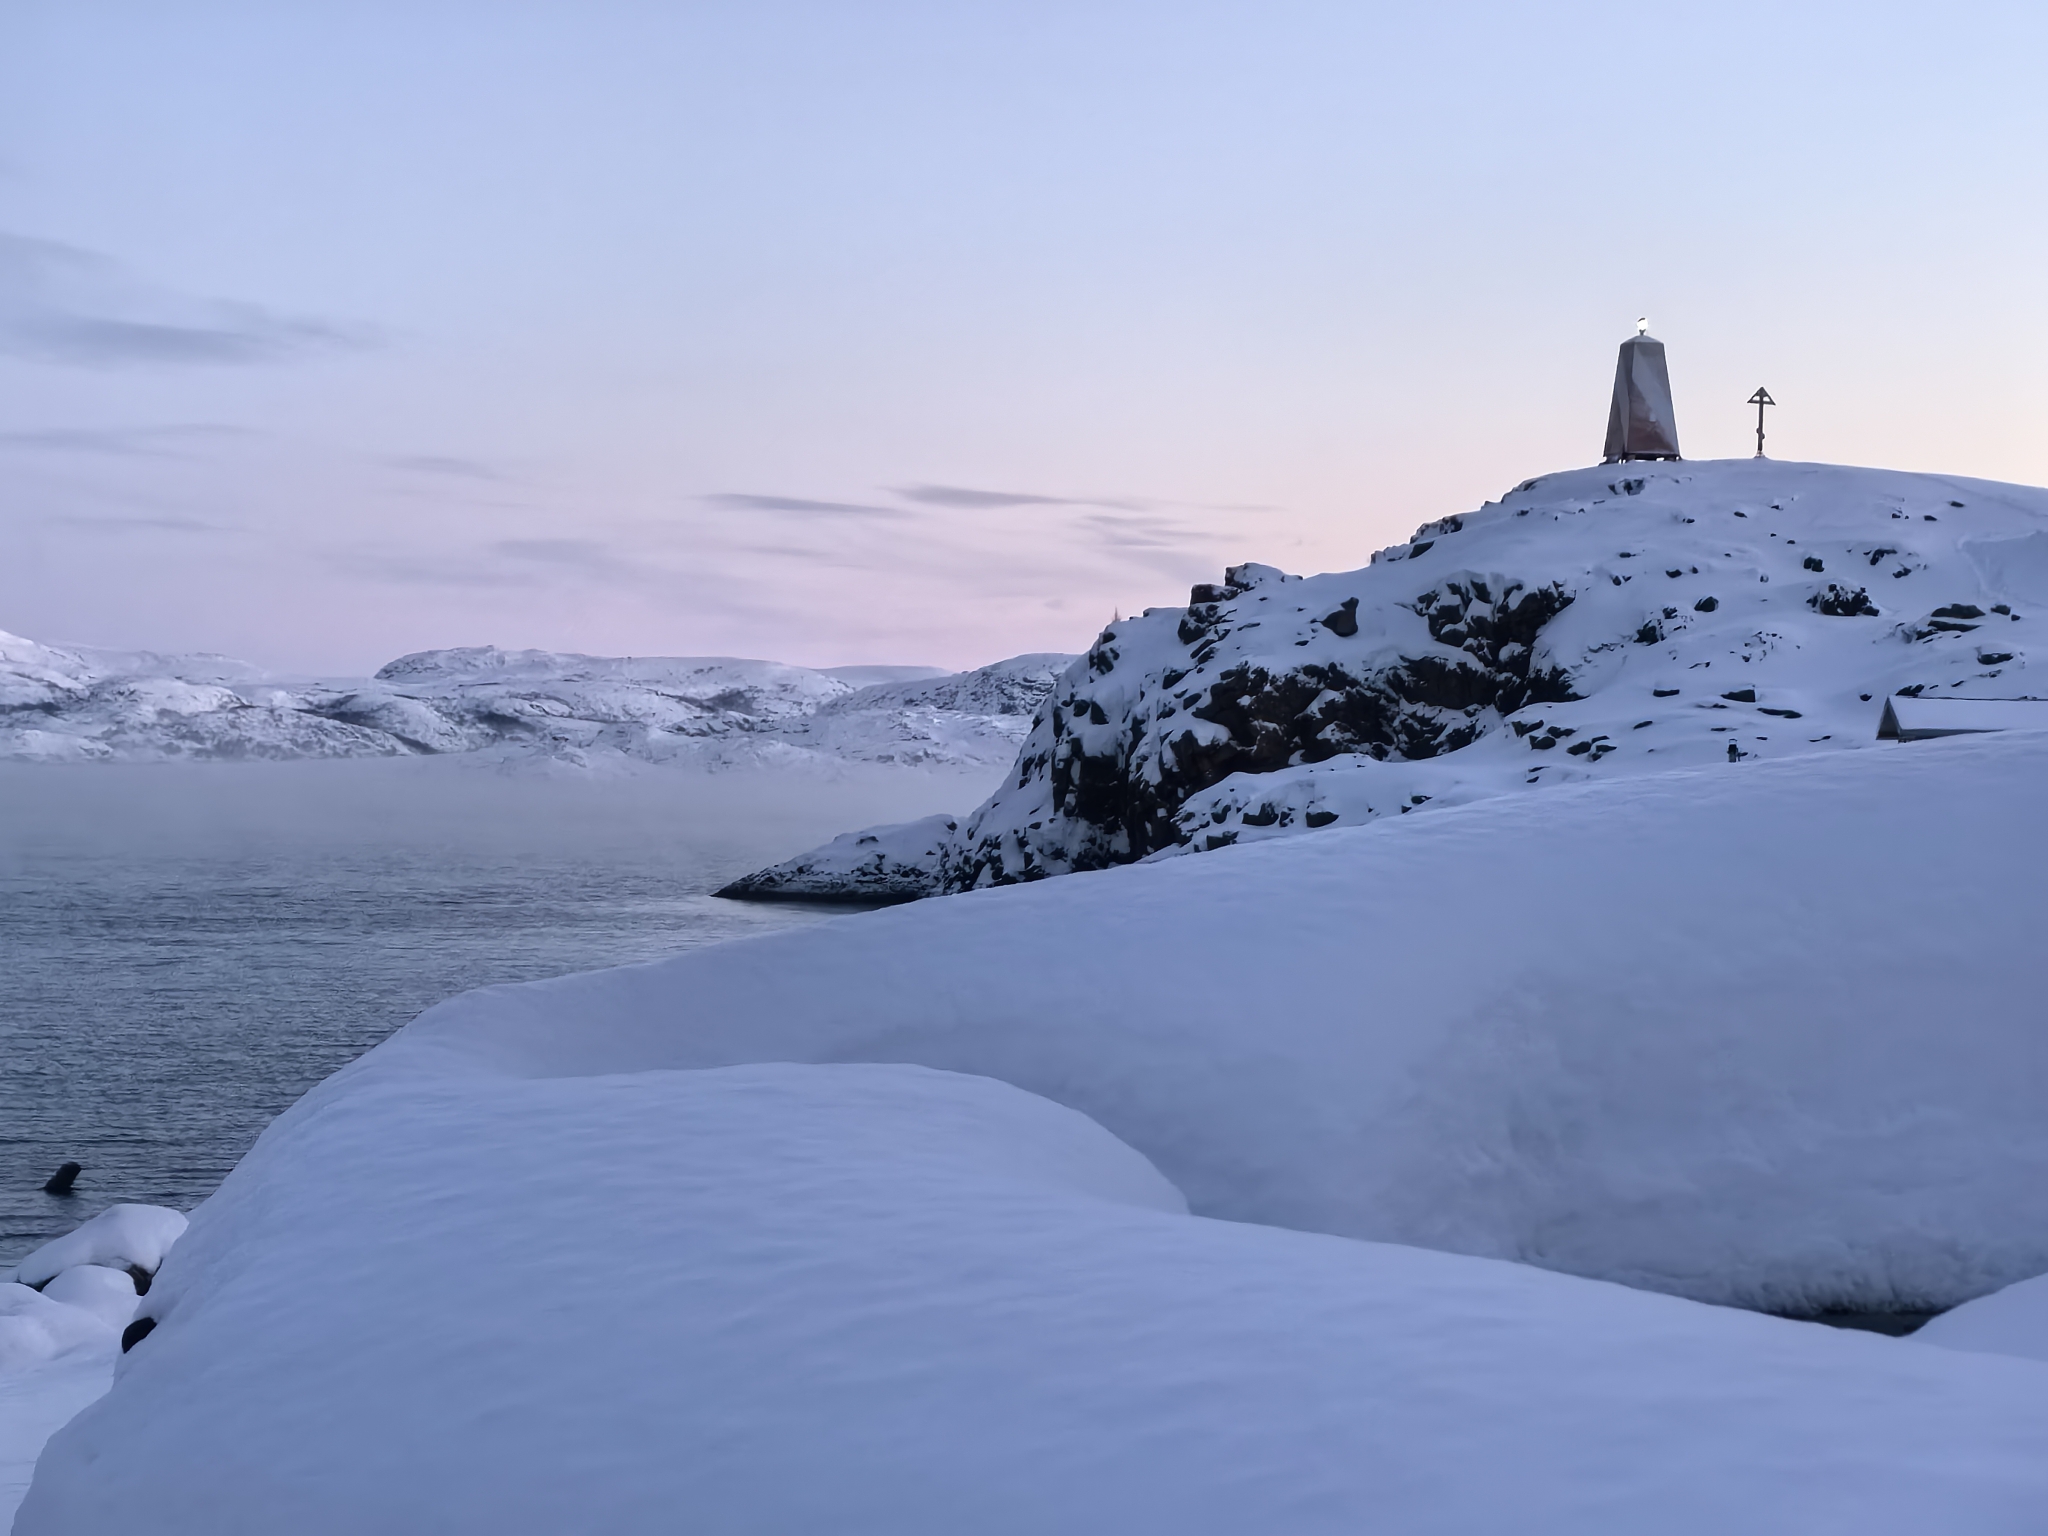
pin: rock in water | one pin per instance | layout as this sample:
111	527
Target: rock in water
876	866
60	1182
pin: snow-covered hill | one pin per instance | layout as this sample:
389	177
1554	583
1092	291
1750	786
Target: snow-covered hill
1590	625
77	705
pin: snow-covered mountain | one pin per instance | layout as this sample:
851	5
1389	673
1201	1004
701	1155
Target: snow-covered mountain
75	705
1590	625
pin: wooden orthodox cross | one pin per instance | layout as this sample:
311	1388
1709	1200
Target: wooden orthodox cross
1760	399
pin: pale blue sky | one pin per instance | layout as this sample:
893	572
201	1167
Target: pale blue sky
895	332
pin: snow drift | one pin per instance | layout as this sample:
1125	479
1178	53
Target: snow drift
1758	1033
883	1299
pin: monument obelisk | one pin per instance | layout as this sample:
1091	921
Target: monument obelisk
1640	423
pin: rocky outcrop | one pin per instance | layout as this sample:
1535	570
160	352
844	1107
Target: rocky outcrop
878	866
1118	753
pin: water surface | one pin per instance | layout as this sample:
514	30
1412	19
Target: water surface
185	949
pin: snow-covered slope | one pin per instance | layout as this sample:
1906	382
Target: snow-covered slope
874	1299
677	1241
1758	1033
2013	1321
80	704
1590	625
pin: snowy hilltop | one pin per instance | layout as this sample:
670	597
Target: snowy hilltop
77	705
1590	625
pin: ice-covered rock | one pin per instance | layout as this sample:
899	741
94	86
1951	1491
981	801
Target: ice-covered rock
1590	625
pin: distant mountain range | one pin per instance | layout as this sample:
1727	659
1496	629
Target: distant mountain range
81	705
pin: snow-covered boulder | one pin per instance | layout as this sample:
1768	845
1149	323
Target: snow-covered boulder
872	1299
125	1237
108	1294
77	1292
1590	625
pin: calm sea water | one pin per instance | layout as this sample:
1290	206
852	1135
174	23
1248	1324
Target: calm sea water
185	950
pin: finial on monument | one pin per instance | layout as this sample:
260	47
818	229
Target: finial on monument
1760	399
1640	423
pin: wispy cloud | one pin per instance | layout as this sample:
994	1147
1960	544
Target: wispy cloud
61	304
1138	530
741	501
447	465
114	442
129	523
578	554
527	562
969	499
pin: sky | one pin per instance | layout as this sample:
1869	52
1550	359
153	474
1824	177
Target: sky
879	332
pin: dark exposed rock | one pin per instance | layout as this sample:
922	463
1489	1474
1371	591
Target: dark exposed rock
1959	611
1706	605
60	1182
1117	760
1740	695
136	1332
1842	602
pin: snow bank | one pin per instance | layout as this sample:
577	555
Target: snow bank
1759	1034
883	1299
35	1328
35	1403
2013	1321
